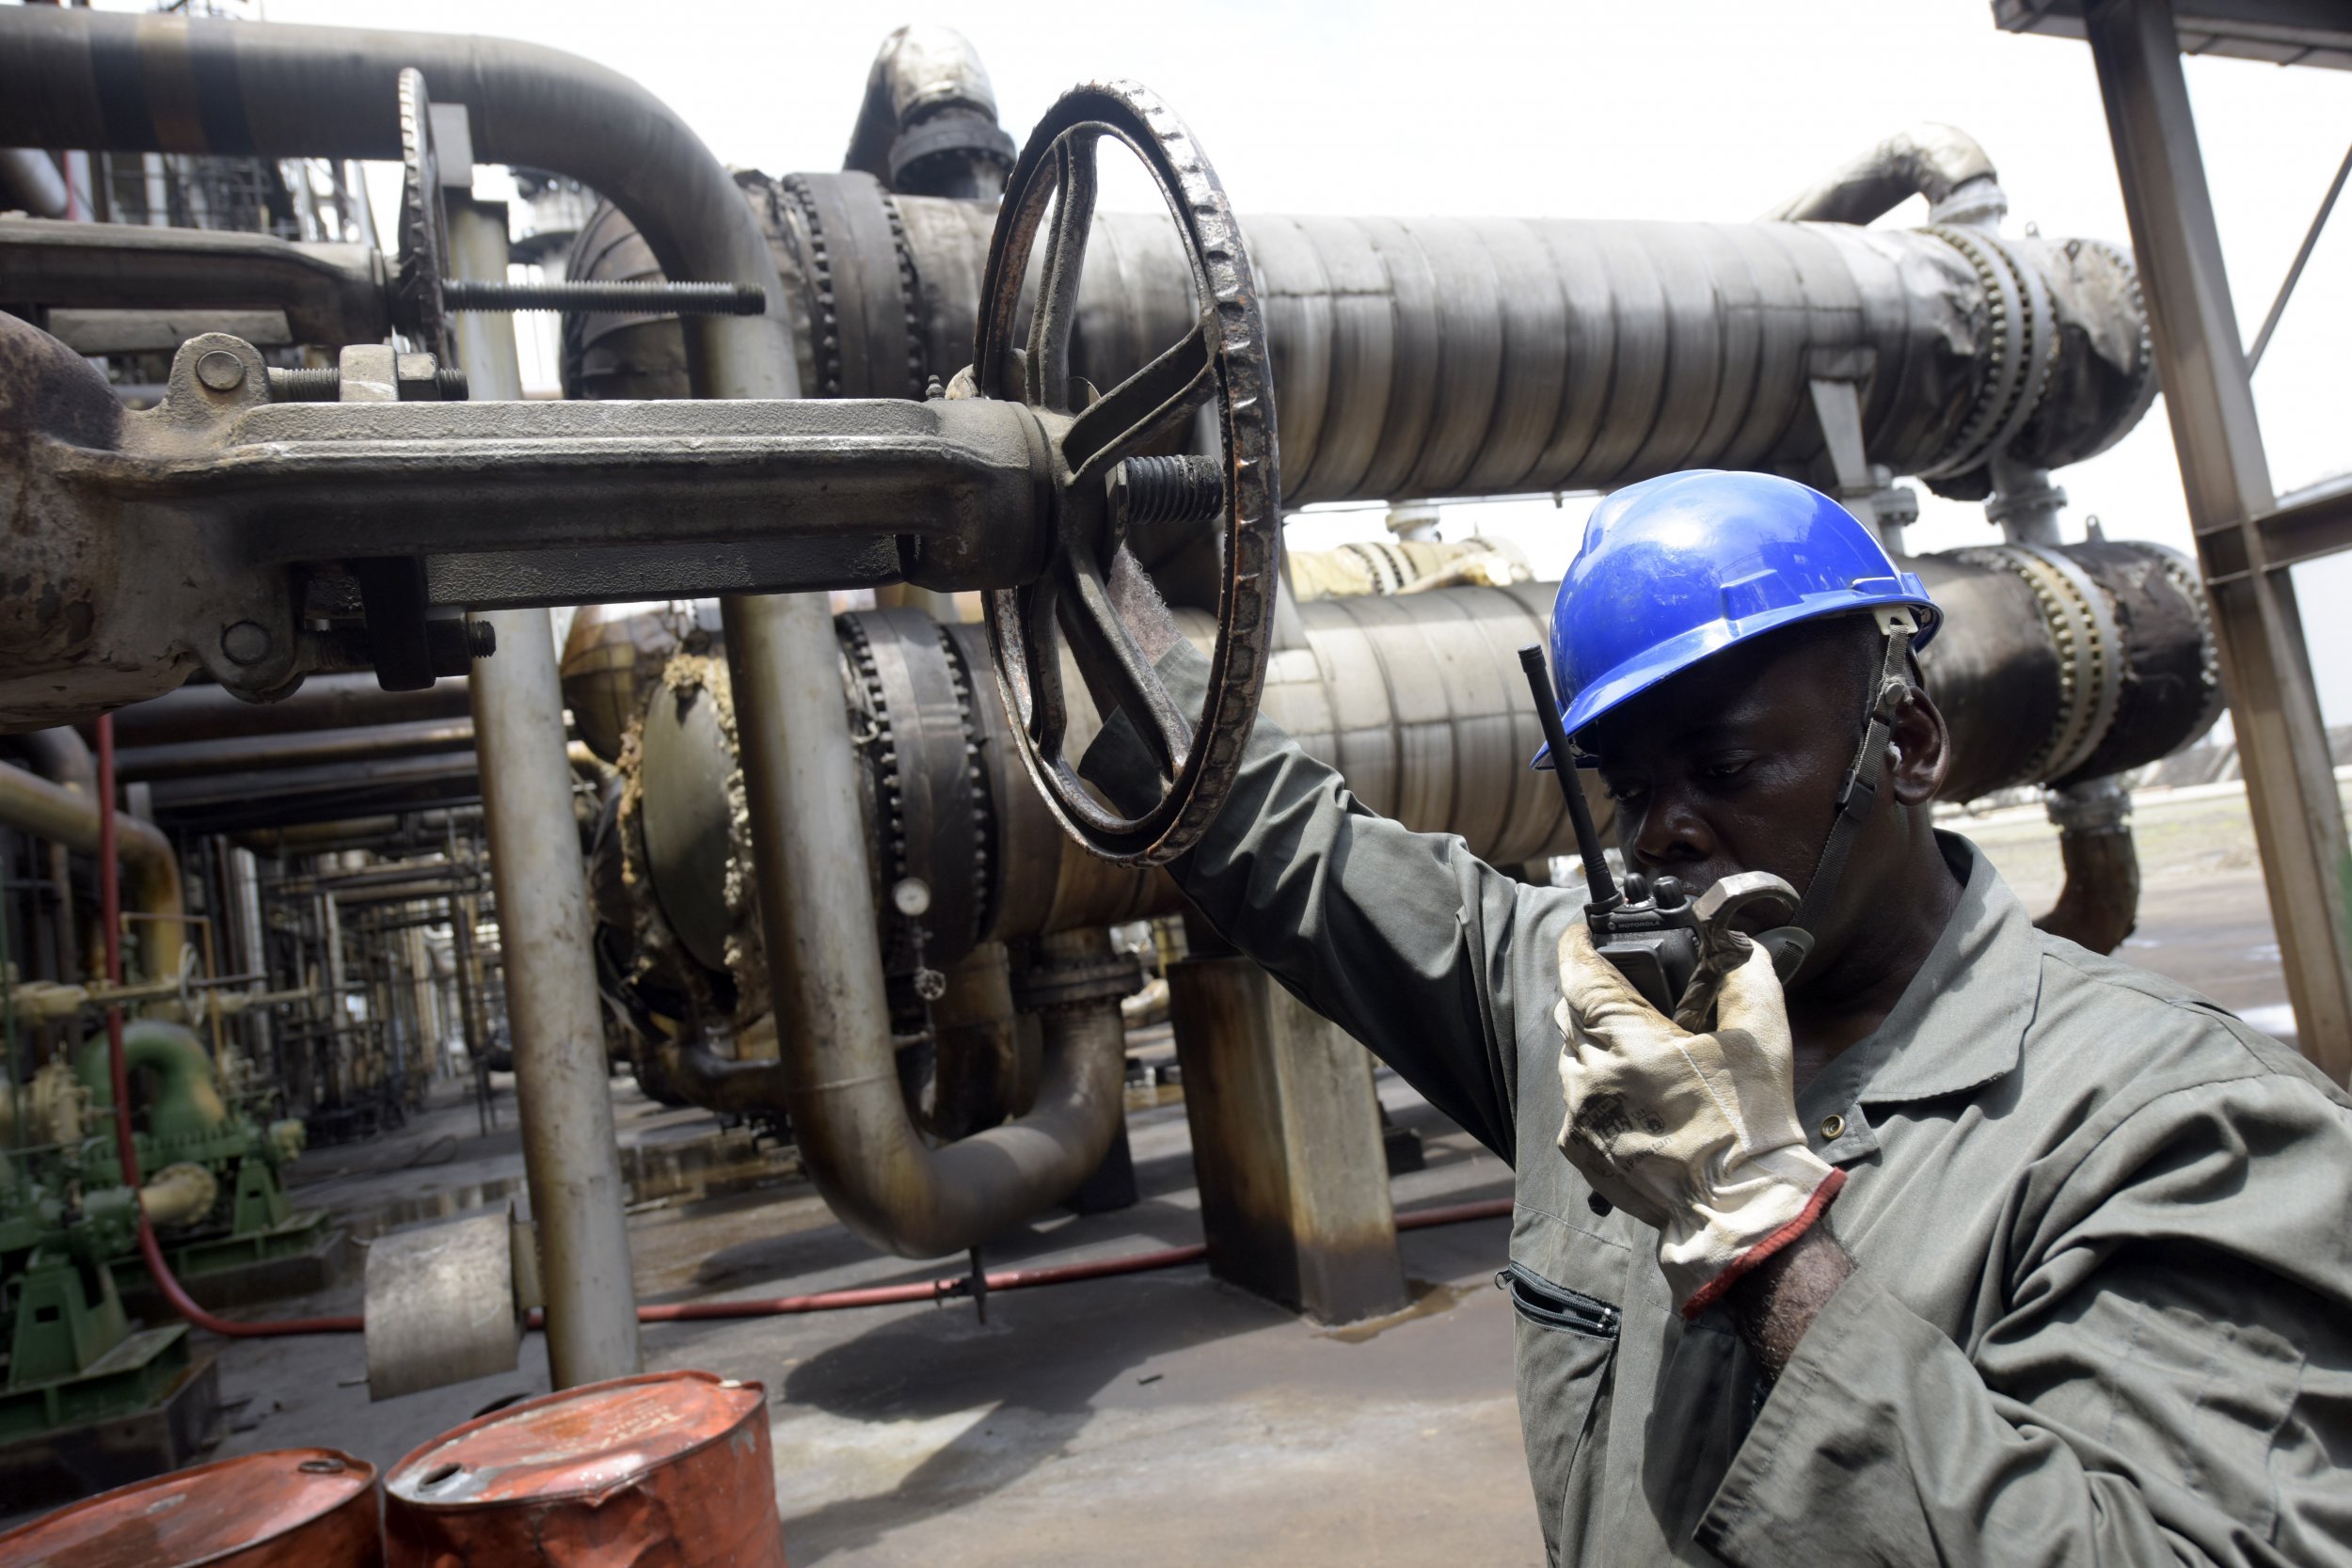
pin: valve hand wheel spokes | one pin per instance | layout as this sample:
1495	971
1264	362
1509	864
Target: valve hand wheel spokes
1221	359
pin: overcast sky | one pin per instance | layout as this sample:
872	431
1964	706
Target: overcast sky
1571	109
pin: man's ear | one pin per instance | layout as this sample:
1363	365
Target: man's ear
1919	748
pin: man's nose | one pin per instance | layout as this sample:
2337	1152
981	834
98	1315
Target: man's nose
1672	834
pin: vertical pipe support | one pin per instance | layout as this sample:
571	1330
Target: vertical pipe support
2274	705
571	1161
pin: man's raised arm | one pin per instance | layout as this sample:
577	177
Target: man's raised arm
1405	940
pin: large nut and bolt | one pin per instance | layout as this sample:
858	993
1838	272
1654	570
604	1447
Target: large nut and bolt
220	370
246	643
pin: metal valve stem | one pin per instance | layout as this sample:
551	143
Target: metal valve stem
626	299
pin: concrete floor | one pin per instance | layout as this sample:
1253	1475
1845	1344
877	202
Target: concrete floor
1159	1419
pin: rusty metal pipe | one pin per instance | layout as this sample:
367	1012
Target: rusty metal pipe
50	811
2099	906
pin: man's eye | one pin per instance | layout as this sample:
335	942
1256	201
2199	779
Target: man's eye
1725	768
1622	793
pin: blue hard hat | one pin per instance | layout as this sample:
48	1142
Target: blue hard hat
1677	568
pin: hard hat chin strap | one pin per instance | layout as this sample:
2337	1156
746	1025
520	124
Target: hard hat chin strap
1861	787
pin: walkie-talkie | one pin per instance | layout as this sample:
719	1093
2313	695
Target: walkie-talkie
1650	931
1654	931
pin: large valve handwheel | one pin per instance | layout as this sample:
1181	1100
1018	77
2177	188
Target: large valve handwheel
1101	482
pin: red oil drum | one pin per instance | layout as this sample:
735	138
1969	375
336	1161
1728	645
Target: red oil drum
666	1470
290	1507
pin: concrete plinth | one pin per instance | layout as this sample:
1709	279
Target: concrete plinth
1286	1144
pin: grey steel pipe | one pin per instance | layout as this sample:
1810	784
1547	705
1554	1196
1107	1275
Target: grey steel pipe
204	713
881	1177
1941	162
30	180
195	759
50	811
571	1156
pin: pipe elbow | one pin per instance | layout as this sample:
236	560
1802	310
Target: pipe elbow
2099	906
928	124
1941	163
179	1193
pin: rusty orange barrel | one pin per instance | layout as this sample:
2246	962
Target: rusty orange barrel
666	1470
290	1507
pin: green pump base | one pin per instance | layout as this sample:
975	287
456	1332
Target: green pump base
93	1454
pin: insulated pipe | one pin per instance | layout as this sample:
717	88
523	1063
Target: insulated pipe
571	1156
928	122
1457	356
36	807
1941	162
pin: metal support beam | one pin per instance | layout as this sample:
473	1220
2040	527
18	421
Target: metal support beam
2290	786
561	1080
1286	1145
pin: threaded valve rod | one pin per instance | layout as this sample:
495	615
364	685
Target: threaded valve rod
1183	488
622	299
325	384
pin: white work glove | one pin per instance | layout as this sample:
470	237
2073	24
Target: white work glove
1695	1134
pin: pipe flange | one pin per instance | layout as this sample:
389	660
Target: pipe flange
1053	987
2005	376
910	291
817	260
975	784
2081	623
2040	320
417	289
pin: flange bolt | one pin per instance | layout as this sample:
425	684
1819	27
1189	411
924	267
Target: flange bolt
220	370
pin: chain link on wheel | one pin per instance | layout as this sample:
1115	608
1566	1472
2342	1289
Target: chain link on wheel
1223	358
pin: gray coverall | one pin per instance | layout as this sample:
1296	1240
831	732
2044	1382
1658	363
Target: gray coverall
2103	1308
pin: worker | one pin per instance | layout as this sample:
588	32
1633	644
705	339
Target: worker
1972	1247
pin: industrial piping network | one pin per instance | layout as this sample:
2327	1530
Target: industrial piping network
1430	357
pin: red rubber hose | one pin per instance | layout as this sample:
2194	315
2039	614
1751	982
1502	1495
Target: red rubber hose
126	1147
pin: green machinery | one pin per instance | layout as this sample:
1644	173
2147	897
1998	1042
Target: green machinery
254	1231
87	1399
73	1357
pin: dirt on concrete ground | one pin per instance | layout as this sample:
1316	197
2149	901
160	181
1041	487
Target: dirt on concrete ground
1160	1418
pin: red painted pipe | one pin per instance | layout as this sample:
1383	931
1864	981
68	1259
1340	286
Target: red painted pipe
110	894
